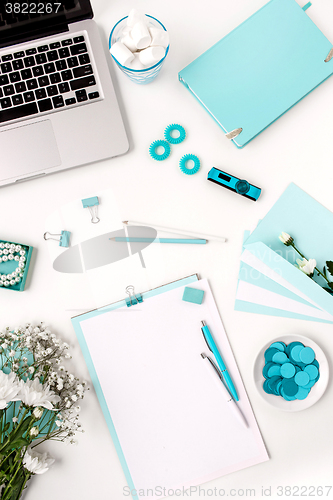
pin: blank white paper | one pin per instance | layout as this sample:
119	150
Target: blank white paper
172	422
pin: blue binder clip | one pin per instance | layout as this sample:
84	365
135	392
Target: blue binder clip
134	298
92	204
239	186
64	238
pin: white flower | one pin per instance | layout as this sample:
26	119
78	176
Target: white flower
12	353
38	412
34	431
33	393
14	419
9	389
307	266
286	238
37	463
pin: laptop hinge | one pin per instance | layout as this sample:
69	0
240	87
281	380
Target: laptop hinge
35	31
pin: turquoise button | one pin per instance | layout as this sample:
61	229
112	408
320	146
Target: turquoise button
274	370
279	345
302	393
302	378
309	385
266	388
290	388
315	362
291	345
269	353
294	353
307	355
280	357
288	371
312	371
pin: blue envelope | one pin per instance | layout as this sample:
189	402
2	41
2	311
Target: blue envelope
308	222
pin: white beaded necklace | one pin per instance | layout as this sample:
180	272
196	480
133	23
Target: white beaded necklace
8	252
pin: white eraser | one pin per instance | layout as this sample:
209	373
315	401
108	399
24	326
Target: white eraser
129	42
136	63
141	35
120	52
159	37
136	16
151	55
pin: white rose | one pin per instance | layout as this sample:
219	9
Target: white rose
307	266
286	238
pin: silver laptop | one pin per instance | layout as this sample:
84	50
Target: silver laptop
58	108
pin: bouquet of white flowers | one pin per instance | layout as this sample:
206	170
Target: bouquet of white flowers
38	401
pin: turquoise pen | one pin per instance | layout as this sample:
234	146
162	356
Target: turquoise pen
158	240
213	348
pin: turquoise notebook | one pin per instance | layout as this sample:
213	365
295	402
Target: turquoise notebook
260	70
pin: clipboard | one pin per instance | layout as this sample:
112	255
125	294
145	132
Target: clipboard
260	70
169	423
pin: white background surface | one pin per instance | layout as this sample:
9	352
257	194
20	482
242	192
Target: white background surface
298	147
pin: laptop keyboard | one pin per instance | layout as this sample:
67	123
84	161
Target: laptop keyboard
46	78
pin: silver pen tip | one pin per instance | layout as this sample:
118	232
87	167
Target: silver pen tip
203	355
203	323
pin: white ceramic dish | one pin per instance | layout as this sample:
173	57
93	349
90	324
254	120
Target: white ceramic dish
317	390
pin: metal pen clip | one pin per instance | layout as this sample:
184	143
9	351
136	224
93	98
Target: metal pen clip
203	355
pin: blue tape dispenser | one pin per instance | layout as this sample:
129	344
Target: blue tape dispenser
239	186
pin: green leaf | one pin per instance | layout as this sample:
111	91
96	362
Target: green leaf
329	290
324	271
329	265
6	427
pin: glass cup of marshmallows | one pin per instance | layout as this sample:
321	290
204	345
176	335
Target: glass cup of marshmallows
139	44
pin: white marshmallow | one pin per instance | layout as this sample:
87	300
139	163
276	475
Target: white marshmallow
141	35
159	37
129	42
136	63
151	55
126	30
120	52
136	16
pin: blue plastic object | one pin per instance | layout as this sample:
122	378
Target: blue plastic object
184	160
239	186
193	295
90	202
285	60
174	140
153	147
64	239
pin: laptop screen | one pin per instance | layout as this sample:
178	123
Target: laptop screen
22	20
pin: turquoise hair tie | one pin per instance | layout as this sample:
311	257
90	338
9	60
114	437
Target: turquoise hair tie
174	140
184	160
153	147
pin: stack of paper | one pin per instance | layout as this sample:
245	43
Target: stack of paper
269	281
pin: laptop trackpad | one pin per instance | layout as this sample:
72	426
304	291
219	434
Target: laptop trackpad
27	149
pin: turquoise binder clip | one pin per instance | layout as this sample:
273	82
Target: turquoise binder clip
92	204
134	298
64	238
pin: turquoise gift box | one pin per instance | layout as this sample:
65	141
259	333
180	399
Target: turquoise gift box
10	266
